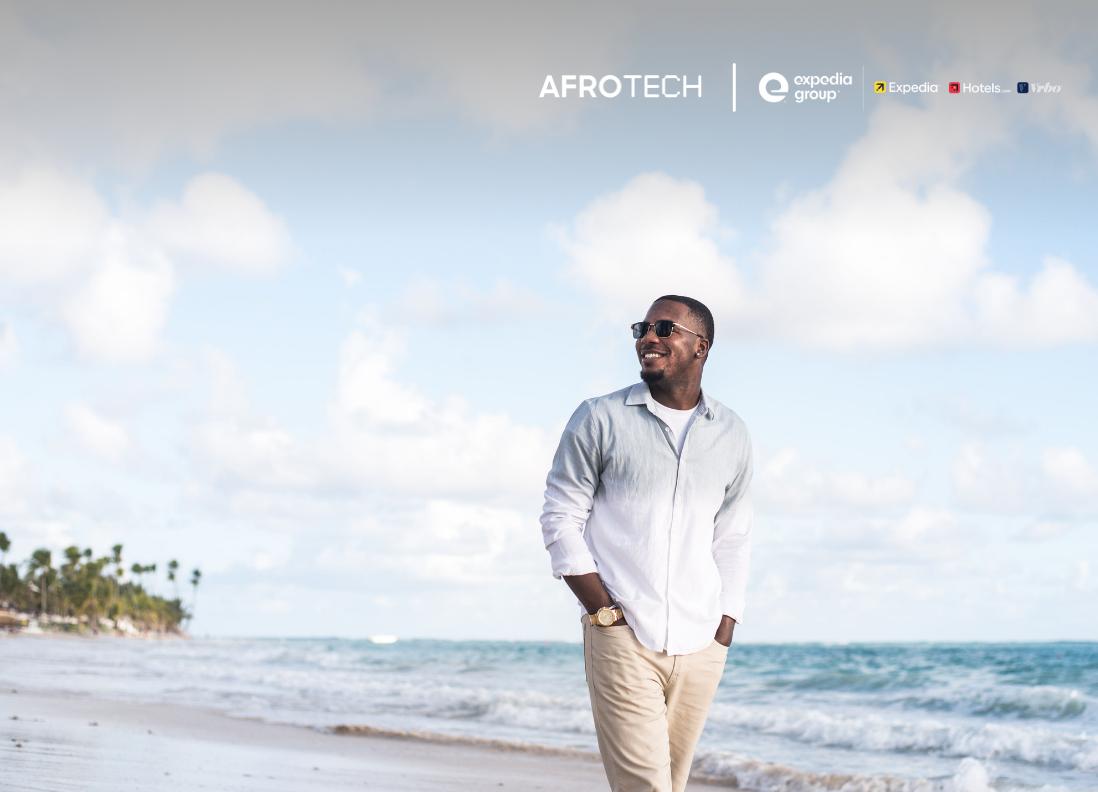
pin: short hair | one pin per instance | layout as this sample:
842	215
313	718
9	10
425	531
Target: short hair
697	310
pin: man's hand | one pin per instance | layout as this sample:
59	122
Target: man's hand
724	631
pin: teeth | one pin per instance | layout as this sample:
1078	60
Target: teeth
650	355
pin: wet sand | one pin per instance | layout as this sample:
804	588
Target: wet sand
71	742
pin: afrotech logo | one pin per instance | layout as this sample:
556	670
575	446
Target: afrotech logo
807	88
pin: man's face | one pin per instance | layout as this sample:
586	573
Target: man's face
669	358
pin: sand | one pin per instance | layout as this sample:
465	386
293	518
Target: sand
53	742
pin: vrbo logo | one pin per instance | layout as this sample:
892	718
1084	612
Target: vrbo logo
774	87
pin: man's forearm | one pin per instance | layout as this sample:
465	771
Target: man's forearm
589	590
725	630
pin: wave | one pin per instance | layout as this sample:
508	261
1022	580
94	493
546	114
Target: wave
732	771
1023	703
365	730
864	731
744	773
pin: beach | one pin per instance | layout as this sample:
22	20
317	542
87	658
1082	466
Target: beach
66	742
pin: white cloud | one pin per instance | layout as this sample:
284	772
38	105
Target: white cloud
656	235
110	279
130	82
246	452
389	434
101	436
136	81
1060	306
444	541
52	228
874	260
1050	486
431	301
1082	578
992	480
384	438
219	223
1043	530
920	534
9	346
32	516
787	484
117	314
1071	474
366	391
14	476
350	276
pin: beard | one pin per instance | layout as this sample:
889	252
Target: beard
651	376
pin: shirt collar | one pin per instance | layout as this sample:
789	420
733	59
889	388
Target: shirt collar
641	394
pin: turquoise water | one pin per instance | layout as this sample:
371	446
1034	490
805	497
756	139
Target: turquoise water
860	718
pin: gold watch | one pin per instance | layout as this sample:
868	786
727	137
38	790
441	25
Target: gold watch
605	616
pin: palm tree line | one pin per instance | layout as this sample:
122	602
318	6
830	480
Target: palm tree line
92	593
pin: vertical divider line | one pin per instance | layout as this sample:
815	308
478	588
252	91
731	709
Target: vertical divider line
733	86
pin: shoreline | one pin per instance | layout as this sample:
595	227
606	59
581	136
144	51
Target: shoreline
22	623
52	741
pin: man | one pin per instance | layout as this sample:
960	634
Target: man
648	519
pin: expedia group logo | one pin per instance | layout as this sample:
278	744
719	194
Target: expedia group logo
825	88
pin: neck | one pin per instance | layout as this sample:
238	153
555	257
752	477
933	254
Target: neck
676	395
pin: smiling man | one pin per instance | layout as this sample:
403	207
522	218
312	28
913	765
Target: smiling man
648	518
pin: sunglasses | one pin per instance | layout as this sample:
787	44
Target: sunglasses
663	328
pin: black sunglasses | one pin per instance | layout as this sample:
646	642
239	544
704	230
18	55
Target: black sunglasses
663	328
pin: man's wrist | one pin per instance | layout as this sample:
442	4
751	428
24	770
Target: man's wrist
608	604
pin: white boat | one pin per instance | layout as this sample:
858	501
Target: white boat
383	639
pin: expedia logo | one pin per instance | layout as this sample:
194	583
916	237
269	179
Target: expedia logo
824	88
773	86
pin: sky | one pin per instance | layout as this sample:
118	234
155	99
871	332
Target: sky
302	295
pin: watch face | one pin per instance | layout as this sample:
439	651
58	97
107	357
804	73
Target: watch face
606	618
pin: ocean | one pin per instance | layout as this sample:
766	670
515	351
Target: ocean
921	717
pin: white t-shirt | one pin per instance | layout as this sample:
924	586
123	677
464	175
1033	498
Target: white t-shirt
677	420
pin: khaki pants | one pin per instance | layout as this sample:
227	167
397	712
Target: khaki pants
649	707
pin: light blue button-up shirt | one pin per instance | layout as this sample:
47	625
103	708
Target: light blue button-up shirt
669	534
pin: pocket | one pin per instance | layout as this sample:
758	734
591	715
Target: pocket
612	631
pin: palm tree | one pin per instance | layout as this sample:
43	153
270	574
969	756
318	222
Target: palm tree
196	576
71	595
42	563
9	581
173	566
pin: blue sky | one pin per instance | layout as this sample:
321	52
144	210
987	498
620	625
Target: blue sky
306	304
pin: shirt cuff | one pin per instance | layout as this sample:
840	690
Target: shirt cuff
732	605
571	556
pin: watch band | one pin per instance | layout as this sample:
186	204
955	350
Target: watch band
614	610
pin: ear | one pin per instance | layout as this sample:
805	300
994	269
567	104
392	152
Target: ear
702	350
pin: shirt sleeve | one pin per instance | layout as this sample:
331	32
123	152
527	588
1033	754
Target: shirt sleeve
569	492
732	538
